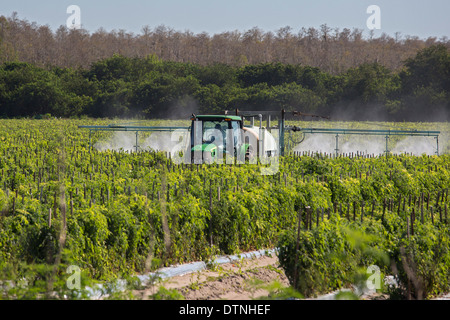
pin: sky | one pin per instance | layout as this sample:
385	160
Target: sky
407	17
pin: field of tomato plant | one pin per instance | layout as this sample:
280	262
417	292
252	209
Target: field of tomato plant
117	213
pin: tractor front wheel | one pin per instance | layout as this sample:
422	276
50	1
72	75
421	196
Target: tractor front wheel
250	155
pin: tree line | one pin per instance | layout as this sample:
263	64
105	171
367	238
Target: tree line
166	74
150	87
332	50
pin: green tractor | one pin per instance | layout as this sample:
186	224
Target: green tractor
215	138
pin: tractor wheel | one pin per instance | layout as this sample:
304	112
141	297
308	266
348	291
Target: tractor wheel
207	158
250	155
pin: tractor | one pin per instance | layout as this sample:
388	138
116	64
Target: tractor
215	138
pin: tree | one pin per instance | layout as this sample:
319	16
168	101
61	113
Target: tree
425	90
369	83
430	67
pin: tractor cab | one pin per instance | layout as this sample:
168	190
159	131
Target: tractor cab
215	136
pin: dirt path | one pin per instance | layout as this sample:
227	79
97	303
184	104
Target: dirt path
243	279
240	280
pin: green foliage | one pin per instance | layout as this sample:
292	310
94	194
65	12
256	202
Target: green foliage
151	88
423	261
328	256
125	210
166	294
335	255
430	67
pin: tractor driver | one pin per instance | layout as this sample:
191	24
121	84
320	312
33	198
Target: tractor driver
220	129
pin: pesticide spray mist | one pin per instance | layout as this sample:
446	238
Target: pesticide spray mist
321	143
119	141
376	145
167	141
416	146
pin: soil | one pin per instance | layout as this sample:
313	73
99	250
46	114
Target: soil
245	279
241	280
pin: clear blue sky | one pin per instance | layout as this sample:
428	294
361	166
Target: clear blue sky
413	17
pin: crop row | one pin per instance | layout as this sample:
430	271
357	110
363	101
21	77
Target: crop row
116	212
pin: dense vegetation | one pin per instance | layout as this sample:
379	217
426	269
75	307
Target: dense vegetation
332	50
153	88
410	244
115	213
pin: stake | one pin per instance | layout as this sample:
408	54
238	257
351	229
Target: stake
348	211
373	207
445	212
308	218
407	226
362	211
437	198
297	245
432	217
317	217
421	213
211	213
14	206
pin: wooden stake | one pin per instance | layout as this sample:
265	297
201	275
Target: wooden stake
297	245
431	212
421	213
407	226
362	210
